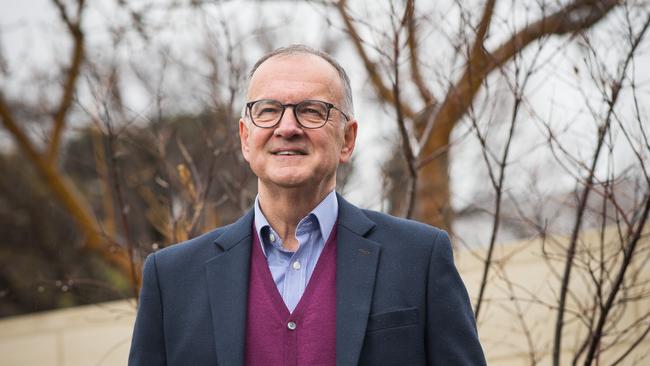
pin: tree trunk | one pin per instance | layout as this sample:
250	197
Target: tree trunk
432	202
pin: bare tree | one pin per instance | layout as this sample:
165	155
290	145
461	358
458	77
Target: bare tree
45	160
434	118
157	170
426	118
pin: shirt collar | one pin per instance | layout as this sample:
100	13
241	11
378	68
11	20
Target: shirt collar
326	213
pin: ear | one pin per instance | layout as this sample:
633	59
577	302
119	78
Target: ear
349	139
243	138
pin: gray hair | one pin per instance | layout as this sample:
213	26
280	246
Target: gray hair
293	49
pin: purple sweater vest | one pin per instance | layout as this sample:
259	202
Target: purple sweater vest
306	337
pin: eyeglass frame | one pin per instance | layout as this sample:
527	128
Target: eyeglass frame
330	106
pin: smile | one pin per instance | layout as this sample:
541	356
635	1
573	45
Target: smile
289	153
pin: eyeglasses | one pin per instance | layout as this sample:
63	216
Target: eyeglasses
267	113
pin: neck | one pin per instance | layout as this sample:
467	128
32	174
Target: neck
285	207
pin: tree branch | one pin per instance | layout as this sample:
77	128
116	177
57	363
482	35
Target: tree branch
498	187
628	254
45	163
478	49
77	57
382	90
407	150
616	88
578	15
628	250
411	41
67	195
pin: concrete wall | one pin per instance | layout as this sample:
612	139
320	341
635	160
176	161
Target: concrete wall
93	335
516	318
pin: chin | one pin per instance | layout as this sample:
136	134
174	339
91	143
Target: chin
289	183
297	181
285	181
288	176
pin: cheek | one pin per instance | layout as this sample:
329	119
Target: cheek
255	141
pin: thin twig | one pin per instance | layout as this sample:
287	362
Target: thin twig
557	341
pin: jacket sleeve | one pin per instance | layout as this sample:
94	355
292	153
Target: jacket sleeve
452	338
148	343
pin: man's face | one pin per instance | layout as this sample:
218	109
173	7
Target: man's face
314	154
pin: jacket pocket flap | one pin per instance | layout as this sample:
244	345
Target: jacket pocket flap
392	319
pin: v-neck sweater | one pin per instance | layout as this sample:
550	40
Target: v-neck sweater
305	337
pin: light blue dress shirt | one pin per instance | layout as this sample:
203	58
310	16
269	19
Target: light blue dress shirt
291	270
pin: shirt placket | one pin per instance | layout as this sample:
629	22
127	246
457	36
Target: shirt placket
294	285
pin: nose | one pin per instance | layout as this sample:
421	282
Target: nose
288	126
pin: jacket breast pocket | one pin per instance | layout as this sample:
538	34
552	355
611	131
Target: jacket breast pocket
392	319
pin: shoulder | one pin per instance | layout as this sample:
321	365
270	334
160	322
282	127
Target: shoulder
393	231
387	221
389	231
192	244
200	248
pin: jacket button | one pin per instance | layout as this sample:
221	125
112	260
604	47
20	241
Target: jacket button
291	325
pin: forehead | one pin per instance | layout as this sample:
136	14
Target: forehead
295	77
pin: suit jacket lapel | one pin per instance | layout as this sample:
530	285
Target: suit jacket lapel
356	268
227	279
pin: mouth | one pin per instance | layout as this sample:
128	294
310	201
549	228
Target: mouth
288	152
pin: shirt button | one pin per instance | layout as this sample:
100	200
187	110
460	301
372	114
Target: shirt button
272	237
291	325
296	265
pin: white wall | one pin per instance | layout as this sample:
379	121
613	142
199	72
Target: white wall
92	335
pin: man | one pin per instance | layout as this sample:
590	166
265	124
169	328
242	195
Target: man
304	278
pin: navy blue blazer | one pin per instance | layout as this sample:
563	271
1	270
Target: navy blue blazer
400	300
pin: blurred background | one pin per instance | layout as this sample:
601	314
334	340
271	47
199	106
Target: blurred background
521	127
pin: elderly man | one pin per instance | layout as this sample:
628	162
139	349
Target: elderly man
304	278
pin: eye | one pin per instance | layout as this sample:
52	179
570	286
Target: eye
269	110
313	110
266	108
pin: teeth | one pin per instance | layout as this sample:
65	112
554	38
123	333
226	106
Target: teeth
287	153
